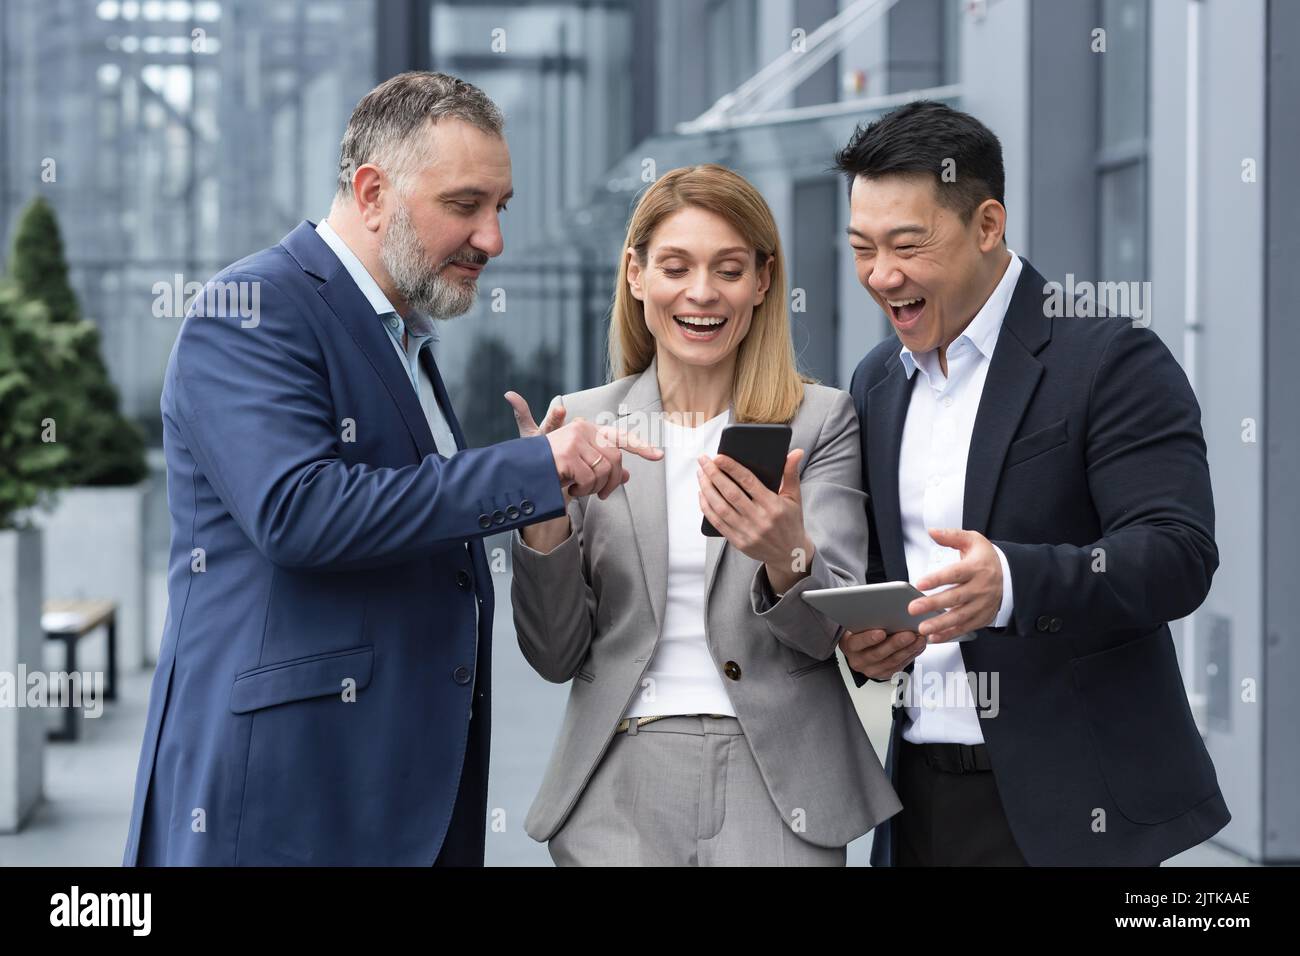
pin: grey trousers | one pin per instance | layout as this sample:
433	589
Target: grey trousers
681	791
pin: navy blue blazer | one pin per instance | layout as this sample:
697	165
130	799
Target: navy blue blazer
314	690
1087	437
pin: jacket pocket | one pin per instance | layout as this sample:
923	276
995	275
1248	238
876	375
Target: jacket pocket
317	676
831	661
1150	753
1035	443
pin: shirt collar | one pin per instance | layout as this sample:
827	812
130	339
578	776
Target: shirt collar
418	325
982	331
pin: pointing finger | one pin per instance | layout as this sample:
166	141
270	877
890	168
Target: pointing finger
523	415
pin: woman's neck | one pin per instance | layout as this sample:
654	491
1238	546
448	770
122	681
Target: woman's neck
695	390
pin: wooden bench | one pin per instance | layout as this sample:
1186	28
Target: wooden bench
69	620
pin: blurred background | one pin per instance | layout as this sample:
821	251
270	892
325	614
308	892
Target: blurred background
145	145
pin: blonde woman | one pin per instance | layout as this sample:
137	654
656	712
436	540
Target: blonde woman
707	723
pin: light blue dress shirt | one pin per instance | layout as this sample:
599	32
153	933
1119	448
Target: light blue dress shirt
419	335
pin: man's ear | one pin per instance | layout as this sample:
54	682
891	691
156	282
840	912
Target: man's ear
368	186
991	218
764	281
634	275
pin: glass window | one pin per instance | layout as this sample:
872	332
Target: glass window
184	136
1123	223
560	73
1122	153
1124	73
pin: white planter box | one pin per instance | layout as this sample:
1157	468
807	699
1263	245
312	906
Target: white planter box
22	729
94	548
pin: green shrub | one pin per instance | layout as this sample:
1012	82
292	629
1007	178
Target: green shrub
30	356
103	447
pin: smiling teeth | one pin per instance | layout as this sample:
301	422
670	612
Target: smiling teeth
700	319
899	303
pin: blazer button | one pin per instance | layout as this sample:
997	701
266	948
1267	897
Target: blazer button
498	517
461	675
732	670
484	521
512	513
1055	625
1043	623
526	507
462	580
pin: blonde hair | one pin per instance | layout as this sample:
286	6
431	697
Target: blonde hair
768	386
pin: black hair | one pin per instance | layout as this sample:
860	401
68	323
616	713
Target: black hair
919	138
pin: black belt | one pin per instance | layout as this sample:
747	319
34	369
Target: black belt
952	758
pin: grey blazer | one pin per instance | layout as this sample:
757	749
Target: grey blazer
592	609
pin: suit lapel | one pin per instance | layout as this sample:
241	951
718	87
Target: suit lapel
440	392
648	499
478	554
887	405
1010	384
358	317
713	548
367	329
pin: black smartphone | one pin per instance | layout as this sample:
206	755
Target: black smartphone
761	449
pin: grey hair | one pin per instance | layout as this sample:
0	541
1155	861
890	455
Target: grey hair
384	126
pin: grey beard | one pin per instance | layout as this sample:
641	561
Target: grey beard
415	278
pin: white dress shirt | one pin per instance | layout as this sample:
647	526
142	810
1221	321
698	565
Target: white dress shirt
932	494
682	677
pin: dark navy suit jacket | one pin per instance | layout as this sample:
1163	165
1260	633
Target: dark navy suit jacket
1086	453
321	661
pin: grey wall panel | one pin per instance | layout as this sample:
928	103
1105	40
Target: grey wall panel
813	260
1229	383
1062	143
1167	172
1281	441
995	87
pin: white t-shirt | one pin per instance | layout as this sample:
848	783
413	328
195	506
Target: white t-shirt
682	677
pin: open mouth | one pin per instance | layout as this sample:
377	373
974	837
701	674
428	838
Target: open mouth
701	327
905	313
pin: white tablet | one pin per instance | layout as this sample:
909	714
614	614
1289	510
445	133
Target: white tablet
866	607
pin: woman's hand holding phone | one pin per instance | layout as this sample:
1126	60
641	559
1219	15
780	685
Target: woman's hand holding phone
762	524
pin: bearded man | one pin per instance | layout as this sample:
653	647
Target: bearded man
322	691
